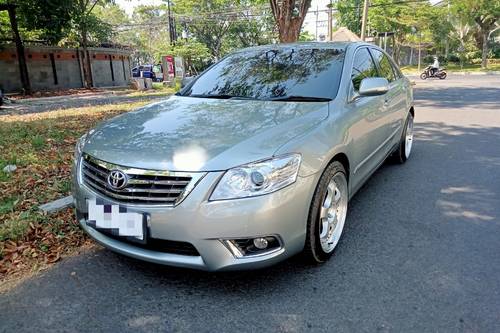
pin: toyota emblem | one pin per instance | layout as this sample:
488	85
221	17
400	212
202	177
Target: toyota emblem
117	179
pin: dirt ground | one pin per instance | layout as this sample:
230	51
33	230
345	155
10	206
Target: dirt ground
20	106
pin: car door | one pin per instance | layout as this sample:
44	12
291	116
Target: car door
394	99
366	118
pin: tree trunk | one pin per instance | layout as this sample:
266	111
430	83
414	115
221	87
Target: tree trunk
21	58
289	16
87	82
484	60
289	32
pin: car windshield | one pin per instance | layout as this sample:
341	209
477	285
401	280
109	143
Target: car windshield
284	73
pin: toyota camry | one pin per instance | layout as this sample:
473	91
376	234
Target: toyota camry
252	162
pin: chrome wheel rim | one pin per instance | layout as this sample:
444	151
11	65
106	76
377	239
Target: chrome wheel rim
409	137
333	212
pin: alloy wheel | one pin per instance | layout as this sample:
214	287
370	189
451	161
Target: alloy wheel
333	212
409	136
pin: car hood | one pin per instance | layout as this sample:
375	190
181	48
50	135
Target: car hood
200	134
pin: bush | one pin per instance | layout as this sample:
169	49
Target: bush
453	58
428	59
496	53
470	56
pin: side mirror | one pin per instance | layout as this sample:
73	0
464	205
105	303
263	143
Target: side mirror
373	86
186	80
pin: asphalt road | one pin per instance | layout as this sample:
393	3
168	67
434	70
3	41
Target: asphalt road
420	253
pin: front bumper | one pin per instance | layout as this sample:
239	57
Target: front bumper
204	224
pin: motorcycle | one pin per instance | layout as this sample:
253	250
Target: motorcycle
428	73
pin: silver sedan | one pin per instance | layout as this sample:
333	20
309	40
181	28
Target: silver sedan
253	161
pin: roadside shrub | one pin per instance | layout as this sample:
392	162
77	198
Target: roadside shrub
496	53
470	56
476	61
428	59
453	58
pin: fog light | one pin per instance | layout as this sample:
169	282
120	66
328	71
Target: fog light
260	243
245	247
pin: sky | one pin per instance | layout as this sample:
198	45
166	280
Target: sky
129	5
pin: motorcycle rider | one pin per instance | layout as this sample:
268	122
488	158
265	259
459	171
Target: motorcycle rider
435	66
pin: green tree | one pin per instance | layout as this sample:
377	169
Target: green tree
348	14
50	17
87	28
195	54
486	15
116	24
437	20
385	15
306	37
147	33
208	21
252	26
45	20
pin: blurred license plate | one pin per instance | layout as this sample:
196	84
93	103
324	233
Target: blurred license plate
116	220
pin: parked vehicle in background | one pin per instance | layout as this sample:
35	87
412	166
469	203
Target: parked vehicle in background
253	161
154	72
430	72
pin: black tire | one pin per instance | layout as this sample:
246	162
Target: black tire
423	76
442	76
313	252
400	156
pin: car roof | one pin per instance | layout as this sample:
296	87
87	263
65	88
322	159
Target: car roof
306	45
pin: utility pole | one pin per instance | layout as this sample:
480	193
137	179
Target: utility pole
316	23
447	42
330	21
419	49
364	19
170	24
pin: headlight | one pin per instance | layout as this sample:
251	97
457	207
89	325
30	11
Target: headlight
79	146
258	178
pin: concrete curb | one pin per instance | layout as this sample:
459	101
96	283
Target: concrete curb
57	205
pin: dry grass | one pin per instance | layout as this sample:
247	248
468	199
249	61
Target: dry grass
41	146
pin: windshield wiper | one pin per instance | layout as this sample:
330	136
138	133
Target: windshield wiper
219	96
295	98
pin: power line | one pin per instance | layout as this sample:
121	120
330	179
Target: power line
387	4
251	14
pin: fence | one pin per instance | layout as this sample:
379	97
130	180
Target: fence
61	68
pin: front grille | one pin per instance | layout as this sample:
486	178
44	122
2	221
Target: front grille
174	247
143	186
